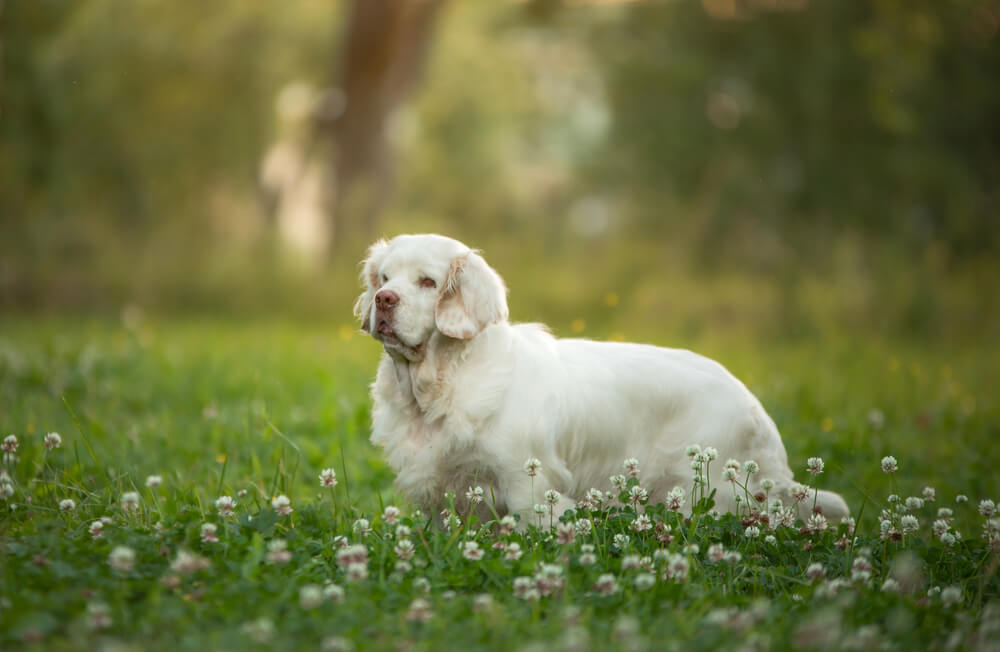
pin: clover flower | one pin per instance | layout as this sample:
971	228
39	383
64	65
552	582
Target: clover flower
67	505
208	533
552	496
890	586
815	571
9	445
278	552
961	498
951	595
122	559
356	573
987	508
767	484
513	552
474	495
333	592
153	481
675	499
771	540
716	552
587	556
525	589
328	478
889	464
620	541
351	554
710	453
96	529
909	523
482	603
692	450
472	551
532	466
752	532
187	563
566	533
929	494
282	505
583	527
729	474
913	503
750	467
641	523
419	611
507	524
310	596
52	440
631	467
637	496
816	523
677	568
814	465
130	501
549	579
98	615
606	584
225	505
644	581
618	482
391	514
404	549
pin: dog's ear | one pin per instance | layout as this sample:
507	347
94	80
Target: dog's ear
370	283
473	296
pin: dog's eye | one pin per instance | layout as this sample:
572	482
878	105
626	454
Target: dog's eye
385	279
428	282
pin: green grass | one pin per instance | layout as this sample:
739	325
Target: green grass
219	408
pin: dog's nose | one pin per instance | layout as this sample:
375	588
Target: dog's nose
386	300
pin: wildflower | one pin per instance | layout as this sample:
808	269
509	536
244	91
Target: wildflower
618	482
187	563
333	592
729	474
692	450
328	478
816	523
357	573
945	512
474	495
278	552
96	529
583	527
225	505
800	492
482	603
621	541
450	520
67	505
710	453
98	615
732	557
122	559
909	524
552	496
606	584
566	533
752	532
391	515
767	484
595	497
814	465
241	493
422	585
587	556
310	596
9	445
987	508
948	539
540	509
951	595
524	588
771	540
513	552
362	527
130	501
876	419
507	524
637	496
716	552
631	467
675	499
282	505
260	630
52	440
929	494
677	568
351	554
889	464
419	611
532	466
631	562
471	551
644	581
961	498
153	481
402	531
750	467
404	549
890	586
208	533
861	569
815	571
549	579
641	523
913	503
939	527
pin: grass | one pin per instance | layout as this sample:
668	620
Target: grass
255	411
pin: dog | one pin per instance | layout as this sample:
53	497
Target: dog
463	397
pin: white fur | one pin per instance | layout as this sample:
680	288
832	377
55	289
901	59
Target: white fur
464	397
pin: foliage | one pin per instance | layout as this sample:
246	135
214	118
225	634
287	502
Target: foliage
253	412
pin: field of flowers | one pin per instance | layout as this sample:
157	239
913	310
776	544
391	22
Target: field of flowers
210	486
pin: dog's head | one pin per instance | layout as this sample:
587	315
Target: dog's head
415	285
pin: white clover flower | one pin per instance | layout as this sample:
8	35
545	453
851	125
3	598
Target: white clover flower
692	450
677	568
98	615
675	499
945	512
732	557
752	532
361	527
187	563
771	540
961	498
816	523
524	588
9	444
402	531
987	508
909	523
876	419
814	465
732	464
631	562
565	533
474	495
889	464
583	527
356	573
404	549
929	494
617	482
334	592
540	509
225	505
419	611
96	529
815	571
472	551
532	466
552	496
914	504
482	603
153	481
328	478
750	467
391	514
122	559
310	596
710	453
621	541
52	440
641	523
278	552
282	505
67	505
800	492
637	495
513	552
691	549
890	586
507	524
644	581
716	552
587	556
631	465
948	539
939	527
130	501
606	584
729	474
951	595
208	533
767	484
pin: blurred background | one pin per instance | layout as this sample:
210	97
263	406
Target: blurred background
781	168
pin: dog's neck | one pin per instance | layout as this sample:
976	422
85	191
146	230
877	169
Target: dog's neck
421	380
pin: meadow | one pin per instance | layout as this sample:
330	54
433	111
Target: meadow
212	487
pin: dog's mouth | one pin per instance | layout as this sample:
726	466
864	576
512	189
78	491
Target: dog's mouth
387	335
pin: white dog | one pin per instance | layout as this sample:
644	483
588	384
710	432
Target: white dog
463	397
